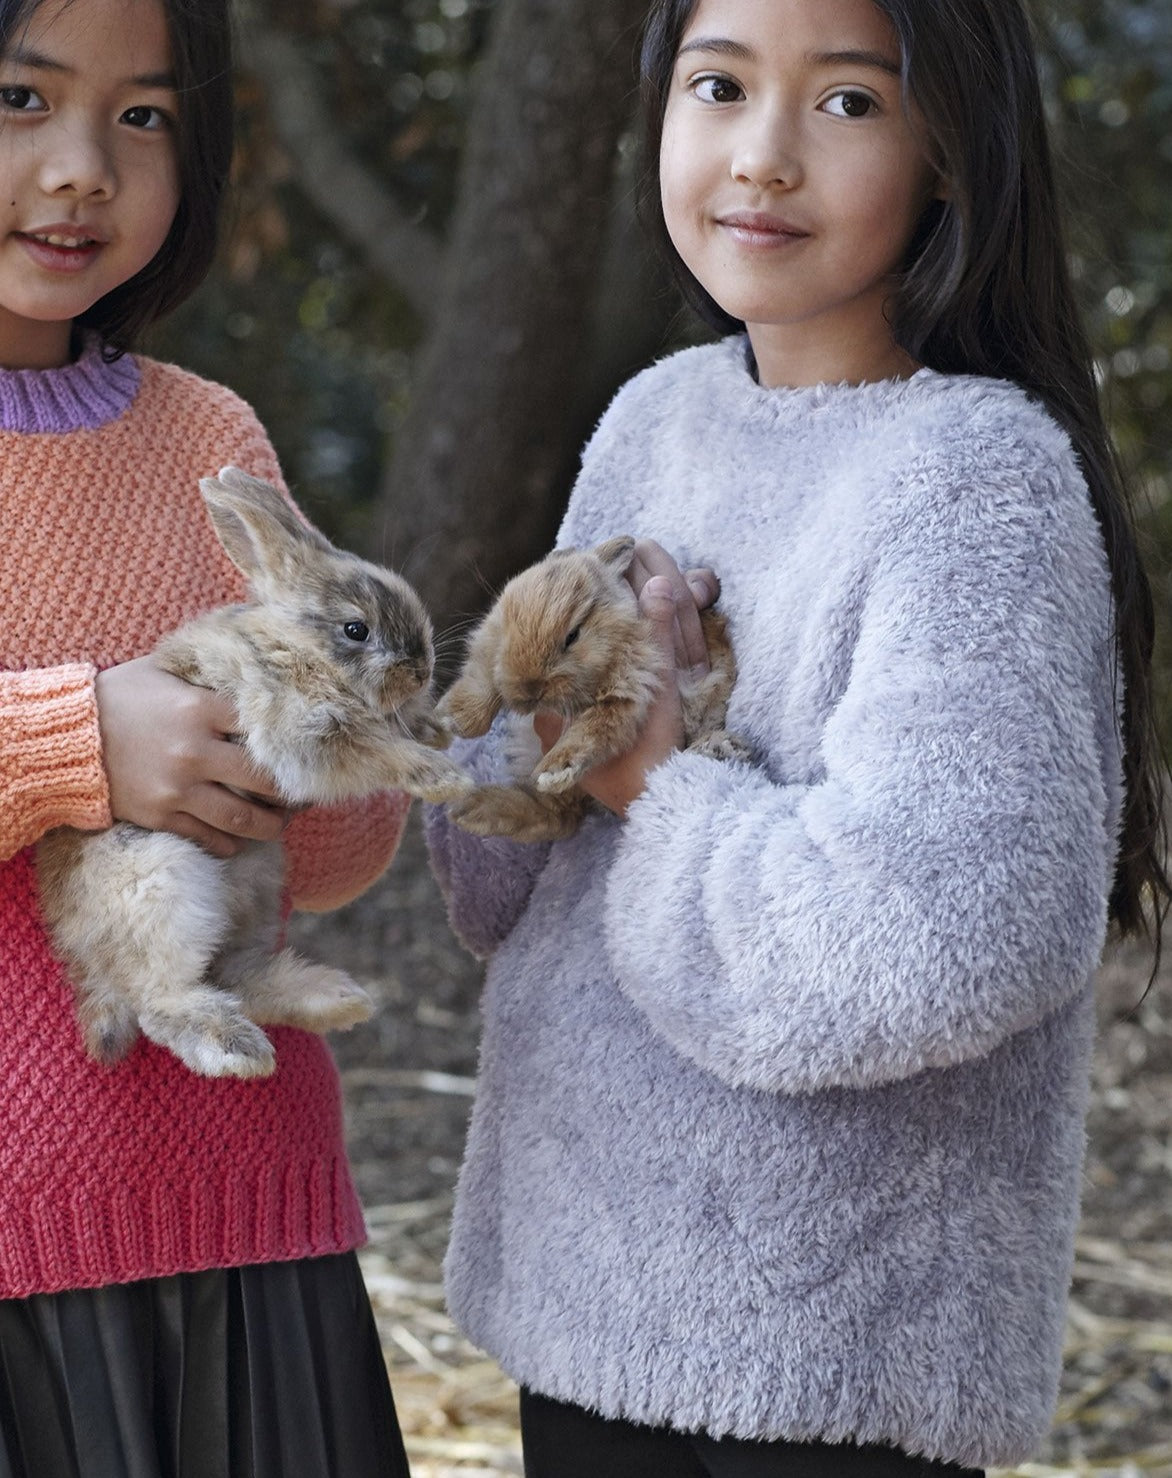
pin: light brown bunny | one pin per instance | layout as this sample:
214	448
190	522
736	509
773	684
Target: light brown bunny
328	666
567	635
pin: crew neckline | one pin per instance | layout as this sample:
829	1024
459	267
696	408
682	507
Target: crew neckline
739	357
80	396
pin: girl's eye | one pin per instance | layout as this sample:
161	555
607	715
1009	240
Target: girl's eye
850	104
356	631
21	100
144	116
716	90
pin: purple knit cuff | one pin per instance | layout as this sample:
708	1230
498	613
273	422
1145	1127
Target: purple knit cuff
77	397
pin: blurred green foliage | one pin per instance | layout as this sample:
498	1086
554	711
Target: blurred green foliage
297	320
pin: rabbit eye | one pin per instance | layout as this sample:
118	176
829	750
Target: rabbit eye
572	638
356	631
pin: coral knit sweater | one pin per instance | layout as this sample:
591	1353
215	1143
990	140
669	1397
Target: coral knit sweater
144	1169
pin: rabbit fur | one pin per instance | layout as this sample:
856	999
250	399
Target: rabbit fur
567	635
329	666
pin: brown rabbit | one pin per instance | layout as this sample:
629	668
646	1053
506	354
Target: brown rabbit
567	635
328	667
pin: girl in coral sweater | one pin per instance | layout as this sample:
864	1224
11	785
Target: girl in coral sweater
178	1290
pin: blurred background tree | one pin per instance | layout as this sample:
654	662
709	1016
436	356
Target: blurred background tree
434	280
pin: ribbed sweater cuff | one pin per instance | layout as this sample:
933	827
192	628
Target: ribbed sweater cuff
51	770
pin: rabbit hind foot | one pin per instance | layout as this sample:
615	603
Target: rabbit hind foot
283	989
211	1034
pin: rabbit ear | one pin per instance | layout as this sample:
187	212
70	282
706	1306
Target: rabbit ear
257	527
617	553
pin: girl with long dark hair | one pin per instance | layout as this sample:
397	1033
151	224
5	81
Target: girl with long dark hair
774	1166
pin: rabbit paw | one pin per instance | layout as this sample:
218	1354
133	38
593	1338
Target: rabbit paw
440	781
508	811
213	1037
285	990
339	1004
433	731
721	745
466	710
555	782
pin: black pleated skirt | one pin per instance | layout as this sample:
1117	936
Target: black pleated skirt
272	1371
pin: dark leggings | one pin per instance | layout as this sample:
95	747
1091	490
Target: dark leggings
563	1441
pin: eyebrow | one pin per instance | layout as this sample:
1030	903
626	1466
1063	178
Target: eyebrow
23	56
723	46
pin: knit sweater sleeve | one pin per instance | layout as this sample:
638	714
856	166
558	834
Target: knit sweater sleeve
51	771
943	883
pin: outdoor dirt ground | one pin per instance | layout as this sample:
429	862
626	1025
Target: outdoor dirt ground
407	1077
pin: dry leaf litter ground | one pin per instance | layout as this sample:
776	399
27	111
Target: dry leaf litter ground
407	1077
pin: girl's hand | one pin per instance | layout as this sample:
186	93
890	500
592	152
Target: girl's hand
172	766
672	601
691	592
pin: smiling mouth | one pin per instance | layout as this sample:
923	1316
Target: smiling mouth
54	238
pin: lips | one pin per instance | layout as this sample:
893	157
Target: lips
61	248
761	228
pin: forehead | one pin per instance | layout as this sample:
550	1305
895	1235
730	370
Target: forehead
802	28
129	39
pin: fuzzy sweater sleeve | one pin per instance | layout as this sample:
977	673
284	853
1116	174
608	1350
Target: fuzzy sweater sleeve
486	881
944	882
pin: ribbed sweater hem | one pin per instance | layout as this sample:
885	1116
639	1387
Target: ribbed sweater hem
276	1215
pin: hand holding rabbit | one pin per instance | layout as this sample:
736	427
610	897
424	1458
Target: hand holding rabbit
568	636
671	601
172	764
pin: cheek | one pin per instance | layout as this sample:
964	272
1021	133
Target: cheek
678	168
886	203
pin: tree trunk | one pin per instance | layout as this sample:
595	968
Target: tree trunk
482	454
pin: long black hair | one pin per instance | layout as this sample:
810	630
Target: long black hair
986	290
201	60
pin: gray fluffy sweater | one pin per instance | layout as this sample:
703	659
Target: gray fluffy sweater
780	1114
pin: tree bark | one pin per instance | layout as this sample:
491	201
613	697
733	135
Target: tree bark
347	193
472	492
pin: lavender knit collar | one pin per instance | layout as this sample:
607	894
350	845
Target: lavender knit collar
78	396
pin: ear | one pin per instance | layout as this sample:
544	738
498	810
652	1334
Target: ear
259	530
616	553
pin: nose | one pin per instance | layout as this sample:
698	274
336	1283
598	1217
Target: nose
767	150
77	162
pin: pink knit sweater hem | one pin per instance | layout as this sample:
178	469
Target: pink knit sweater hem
276	1217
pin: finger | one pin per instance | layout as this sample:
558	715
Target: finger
224	811
218	713
657	601
229	764
651	561
705	587
217	843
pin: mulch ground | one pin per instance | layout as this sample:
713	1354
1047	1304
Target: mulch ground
407	1077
